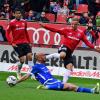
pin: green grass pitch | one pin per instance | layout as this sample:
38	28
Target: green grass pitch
27	90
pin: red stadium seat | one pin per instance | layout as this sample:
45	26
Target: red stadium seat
82	8
50	16
61	18
77	17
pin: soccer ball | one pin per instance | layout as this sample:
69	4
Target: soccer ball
11	80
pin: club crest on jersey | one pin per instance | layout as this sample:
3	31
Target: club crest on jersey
78	35
23	24
17	25
70	33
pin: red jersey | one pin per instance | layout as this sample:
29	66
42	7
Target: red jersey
71	37
17	32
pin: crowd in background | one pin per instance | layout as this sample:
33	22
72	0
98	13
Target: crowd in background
38	10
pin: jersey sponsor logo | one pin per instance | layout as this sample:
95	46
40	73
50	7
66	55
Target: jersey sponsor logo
23	24
22	28
73	38
70	33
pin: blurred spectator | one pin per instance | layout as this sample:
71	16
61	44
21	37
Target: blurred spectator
2	34
7	10
84	19
52	4
56	8
97	32
2	15
43	18
12	15
1	3
98	20
38	6
91	33
92	18
64	10
22	4
15	4
30	16
71	5
94	6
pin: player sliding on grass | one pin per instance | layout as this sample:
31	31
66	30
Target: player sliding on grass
43	75
72	37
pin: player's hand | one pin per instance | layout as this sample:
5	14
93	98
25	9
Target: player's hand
40	23
14	45
97	48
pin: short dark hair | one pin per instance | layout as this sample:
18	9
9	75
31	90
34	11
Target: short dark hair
17	9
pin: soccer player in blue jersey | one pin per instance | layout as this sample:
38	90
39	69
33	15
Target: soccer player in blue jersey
43	75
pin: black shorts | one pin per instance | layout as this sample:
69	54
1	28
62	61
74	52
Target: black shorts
69	58
23	49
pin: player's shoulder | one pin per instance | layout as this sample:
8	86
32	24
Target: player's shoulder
39	65
23	20
80	30
36	65
13	20
66	28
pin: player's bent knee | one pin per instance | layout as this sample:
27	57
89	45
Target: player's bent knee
70	66
62	55
70	87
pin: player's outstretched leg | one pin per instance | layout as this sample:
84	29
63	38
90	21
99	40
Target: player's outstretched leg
41	87
19	70
72	87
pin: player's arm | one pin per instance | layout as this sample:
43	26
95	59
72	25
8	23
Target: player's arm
23	78
93	34
9	33
89	44
51	28
27	35
26	76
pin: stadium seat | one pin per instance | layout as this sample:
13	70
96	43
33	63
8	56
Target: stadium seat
82	8
77	17
50	16
61	18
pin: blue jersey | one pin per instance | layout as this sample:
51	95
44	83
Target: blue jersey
42	74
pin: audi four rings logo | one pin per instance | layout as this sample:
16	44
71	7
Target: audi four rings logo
46	36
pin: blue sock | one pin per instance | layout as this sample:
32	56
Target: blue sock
86	90
55	86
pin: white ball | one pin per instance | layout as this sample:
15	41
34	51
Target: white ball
11	80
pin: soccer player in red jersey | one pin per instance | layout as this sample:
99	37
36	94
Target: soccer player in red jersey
18	37
72	37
